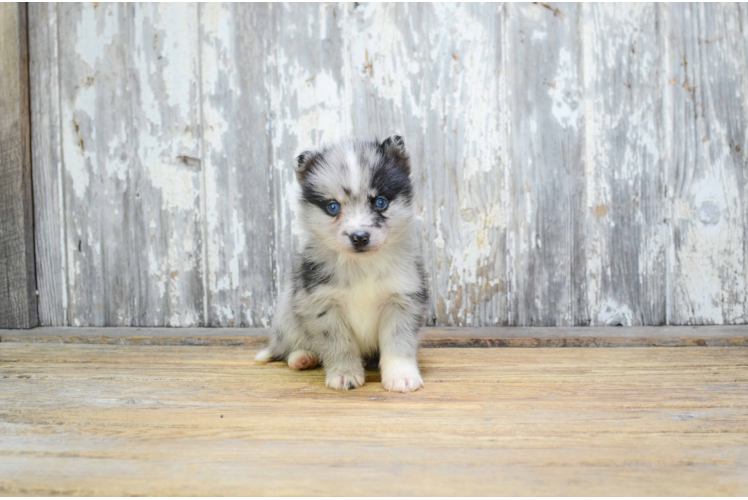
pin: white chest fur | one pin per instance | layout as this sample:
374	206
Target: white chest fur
363	304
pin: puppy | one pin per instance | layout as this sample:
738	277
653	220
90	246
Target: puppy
358	290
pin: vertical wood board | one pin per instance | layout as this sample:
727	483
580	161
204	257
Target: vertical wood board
546	239
626	210
18	307
706	134
166	167
129	100
238	200
46	149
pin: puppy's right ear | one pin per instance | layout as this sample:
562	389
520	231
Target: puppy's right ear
305	163
394	147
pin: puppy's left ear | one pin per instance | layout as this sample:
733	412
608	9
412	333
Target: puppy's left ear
305	163
394	147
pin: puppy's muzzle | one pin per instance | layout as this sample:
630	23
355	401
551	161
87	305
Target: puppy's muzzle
360	240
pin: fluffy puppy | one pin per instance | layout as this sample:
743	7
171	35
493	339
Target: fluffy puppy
358	291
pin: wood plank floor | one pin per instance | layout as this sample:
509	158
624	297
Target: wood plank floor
79	419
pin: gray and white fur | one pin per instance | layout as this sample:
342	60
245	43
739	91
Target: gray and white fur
358	290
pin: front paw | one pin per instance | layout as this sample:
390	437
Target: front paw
403	383
401	375
345	381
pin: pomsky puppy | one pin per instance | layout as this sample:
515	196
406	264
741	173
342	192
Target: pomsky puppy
358	290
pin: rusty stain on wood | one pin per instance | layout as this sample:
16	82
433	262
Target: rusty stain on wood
556	12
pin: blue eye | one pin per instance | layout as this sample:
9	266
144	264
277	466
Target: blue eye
333	207
381	202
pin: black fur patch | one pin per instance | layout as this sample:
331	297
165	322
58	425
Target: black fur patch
308	162
421	273
311	196
312	274
379	218
391	177
422	295
378	213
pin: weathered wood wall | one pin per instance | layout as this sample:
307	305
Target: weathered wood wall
18	307
575	164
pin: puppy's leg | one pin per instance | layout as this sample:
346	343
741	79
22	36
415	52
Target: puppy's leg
398	345
338	350
287	334
342	361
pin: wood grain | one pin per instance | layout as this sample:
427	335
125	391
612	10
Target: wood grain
18	307
127	420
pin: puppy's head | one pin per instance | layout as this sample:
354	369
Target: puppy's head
356	194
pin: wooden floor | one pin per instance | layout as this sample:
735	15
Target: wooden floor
83	419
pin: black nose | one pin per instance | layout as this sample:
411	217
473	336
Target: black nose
360	240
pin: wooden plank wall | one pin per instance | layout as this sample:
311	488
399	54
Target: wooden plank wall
575	164
18	307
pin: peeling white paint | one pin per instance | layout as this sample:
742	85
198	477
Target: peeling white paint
141	146
474	253
156	274
179	187
614	314
713	246
439	242
94	34
564	91
376	50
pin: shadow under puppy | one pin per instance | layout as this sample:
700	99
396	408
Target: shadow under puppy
358	289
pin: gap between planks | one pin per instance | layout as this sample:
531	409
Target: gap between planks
666	336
